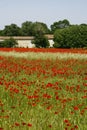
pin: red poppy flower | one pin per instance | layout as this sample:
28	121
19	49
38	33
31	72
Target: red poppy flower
76	108
17	124
30	125
1	129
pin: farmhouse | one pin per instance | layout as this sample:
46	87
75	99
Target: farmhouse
26	41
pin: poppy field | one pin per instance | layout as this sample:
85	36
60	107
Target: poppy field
43	89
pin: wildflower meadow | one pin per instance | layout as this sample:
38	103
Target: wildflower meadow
43	89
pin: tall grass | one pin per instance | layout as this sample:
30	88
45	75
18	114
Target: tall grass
46	55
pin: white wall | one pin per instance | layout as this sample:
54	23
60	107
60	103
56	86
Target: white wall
25	43
51	43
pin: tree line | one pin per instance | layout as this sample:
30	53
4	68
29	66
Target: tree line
65	34
27	28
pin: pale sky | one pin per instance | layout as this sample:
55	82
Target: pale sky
46	11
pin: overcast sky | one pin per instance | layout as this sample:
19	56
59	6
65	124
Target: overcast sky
47	11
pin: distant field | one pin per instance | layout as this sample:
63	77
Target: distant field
43	89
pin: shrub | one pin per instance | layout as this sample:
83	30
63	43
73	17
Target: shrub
41	41
9	43
71	37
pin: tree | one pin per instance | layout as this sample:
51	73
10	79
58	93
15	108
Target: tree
71	37
26	28
60	25
40	27
1	32
41	41
32	28
83	24
11	30
9	43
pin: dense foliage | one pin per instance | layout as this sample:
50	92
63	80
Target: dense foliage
8	43
72	37
41	41
59	25
28	28
11	30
